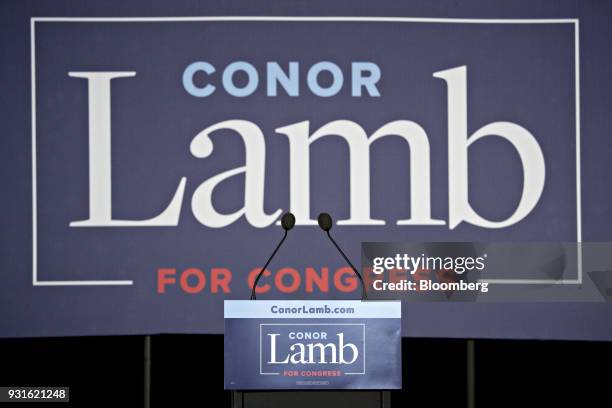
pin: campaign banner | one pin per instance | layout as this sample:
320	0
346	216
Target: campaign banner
322	344
150	149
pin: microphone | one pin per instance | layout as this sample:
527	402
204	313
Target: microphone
325	222
287	222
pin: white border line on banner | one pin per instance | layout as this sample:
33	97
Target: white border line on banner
33	20
310	324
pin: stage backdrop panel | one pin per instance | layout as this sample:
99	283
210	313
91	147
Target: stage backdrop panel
146	158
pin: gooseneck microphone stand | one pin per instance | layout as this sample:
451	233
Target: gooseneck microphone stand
364	295
325	222
287	222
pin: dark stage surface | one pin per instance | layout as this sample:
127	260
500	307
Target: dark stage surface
110	371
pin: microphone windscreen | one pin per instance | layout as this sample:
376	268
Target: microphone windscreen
288	221
325	221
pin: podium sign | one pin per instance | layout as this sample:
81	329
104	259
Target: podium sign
326	344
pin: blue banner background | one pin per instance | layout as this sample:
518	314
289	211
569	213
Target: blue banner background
519	73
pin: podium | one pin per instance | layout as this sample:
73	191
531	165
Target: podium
324	353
